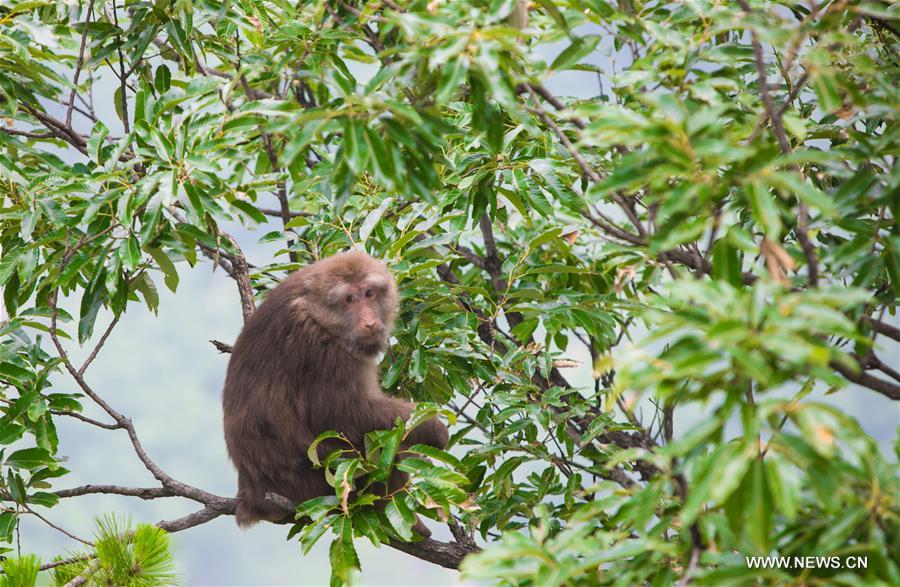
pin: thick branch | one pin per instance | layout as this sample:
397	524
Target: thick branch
445	554
885	388
241	274
141	492
883	328
199	517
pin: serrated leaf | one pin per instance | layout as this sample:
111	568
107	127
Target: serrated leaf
400	517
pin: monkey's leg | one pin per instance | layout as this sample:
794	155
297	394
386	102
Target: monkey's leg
253	506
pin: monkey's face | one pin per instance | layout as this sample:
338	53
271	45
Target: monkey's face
353	297
364	311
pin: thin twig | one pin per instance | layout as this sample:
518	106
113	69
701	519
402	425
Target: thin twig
809	250
84	576
79	64
83	418
99	345
57	528
123	77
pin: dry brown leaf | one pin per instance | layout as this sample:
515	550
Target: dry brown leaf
566	363
469	506
825	434
345	495
432	505
624	274
571	237
778	261
534	347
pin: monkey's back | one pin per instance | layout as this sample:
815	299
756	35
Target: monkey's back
264	408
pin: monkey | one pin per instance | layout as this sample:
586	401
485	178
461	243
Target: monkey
304	363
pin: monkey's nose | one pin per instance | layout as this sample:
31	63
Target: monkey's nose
370	325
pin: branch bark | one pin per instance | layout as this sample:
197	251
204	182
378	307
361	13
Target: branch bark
885	388
775	114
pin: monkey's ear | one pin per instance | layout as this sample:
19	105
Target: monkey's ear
300	285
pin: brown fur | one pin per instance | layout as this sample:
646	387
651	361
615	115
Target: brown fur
303	364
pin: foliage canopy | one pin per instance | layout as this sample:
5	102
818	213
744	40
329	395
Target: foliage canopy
713	226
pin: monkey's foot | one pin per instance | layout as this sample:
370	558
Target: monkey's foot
421	529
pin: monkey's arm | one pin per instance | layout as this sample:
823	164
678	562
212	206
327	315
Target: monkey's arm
385	411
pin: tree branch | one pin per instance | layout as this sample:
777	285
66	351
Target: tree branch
445	554
883	328
79	64
809	250
885	388
281	213
83	418
141	492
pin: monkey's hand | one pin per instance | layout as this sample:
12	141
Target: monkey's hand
432	432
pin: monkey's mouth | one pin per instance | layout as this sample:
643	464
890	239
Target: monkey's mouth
367	345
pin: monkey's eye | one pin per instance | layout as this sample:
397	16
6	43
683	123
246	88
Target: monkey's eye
350	299
370	293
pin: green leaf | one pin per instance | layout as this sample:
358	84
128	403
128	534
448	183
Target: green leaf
163	79
91	302
250	210
117	103
16	486
30	458
95	143
372	219
355	153
317	507
43	498
130	253
784	486
37	409
166	266
765	210
144	284
342	554
452	76
312	452
759	510
8	264
400	517
10	432
727	263
579	49
8	521
366	522
826	88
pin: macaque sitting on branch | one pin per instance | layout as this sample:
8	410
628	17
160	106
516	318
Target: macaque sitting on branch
305	363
